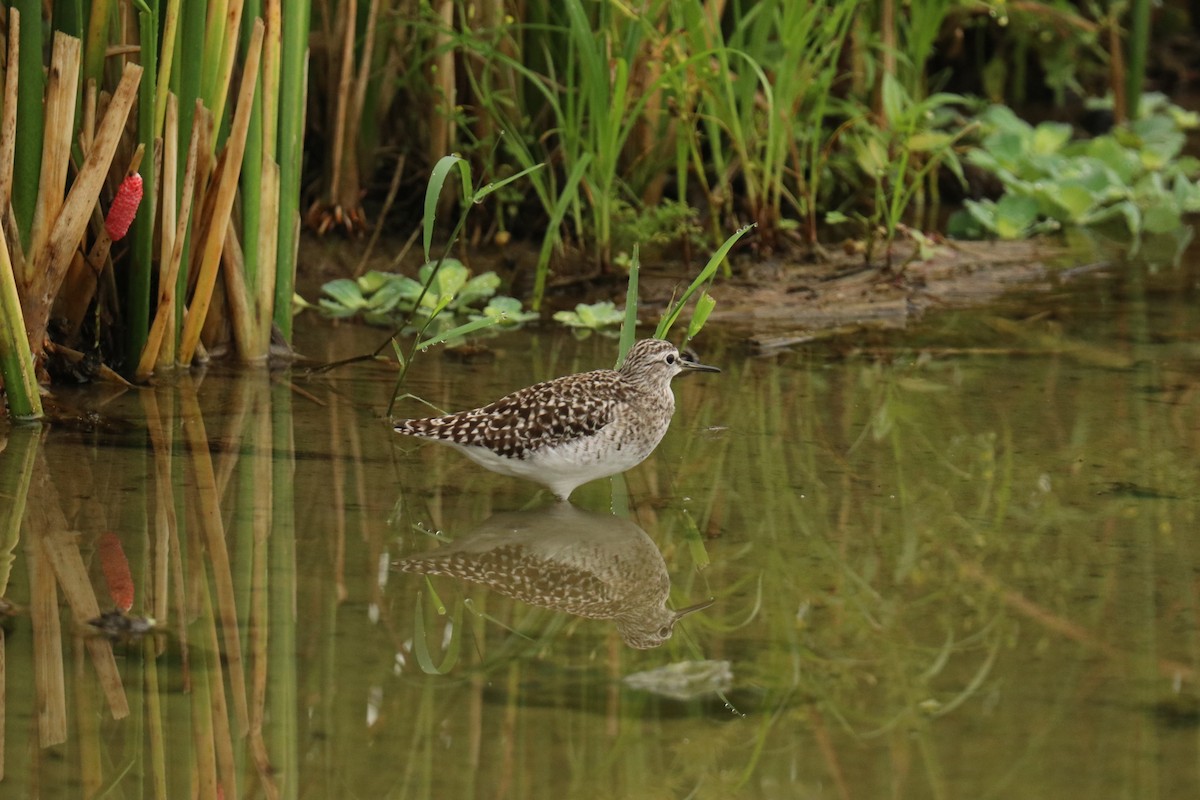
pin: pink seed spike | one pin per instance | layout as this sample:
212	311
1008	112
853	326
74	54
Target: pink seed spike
124	207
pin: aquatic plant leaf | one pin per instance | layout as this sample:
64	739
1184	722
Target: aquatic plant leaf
374	280
1015	215
506	311
1161	218
477	289
1075	200
391	294
1187	194
1050	137
1124	164
345	293
592	316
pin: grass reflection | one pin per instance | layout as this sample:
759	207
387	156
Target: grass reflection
967	574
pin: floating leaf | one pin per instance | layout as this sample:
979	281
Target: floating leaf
345	293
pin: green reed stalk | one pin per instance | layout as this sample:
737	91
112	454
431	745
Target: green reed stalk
95	44
137	298
283	691
1139	43
293	83
210	63
16	359
31	88
252	170
68	17
189	87
166	63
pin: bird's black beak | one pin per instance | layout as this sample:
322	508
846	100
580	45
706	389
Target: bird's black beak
688	361
683	612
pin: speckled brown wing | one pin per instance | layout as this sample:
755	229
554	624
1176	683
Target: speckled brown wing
543	415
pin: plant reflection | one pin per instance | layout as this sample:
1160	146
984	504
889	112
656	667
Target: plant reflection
597	566
98	533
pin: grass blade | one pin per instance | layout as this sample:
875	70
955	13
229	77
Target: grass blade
705	276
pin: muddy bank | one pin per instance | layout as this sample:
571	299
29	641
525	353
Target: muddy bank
771	303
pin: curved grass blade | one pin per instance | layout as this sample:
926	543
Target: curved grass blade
706	275
461	330
437	180
488	188
421	645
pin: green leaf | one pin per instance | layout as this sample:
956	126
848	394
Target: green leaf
592	317
374	280
1076	202
1015	215
345	293
459	331
437	179
1049	137
477	289
706	275
704	307
496	186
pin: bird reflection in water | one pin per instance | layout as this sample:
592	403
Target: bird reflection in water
591	565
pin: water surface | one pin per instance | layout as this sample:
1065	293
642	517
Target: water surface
954	562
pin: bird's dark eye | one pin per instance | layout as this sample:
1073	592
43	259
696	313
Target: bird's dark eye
670	358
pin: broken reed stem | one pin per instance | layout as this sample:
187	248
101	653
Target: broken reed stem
226	186
61	92
167	283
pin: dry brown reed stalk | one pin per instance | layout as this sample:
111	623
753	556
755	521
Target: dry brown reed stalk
268	250
226	180
165	313
240	313
342	206
73	356
8	128
164	449
260	610
62	548
168	216
49	682
61	92
207	700
51	262
208	510
165	522
87	130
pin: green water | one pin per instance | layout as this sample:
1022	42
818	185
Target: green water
958	562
